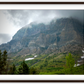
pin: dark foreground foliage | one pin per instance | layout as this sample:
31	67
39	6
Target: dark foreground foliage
6	68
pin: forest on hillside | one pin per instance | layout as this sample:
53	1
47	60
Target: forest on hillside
56	64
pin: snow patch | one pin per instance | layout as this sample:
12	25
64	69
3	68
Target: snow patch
82	57
31	58
76	65
35	56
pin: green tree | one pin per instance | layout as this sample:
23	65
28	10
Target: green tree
12	69
4	57
69	64
3	62
32	71
23	68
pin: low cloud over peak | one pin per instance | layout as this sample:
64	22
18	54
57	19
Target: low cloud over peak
12	20
24	17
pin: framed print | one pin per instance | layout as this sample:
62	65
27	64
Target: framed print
42	42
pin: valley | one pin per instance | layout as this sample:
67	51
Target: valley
44	47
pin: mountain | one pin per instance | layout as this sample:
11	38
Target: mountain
61	35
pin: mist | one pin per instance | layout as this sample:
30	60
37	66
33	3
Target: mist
4	38
13	20
24	17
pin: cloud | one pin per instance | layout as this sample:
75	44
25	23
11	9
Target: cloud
78	14
4	38
6	26
12	20
24	17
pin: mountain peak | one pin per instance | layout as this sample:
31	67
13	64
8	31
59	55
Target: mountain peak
60	35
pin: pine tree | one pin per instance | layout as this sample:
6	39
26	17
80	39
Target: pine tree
0	62
23	68
32	71
12	69
4	57
4	61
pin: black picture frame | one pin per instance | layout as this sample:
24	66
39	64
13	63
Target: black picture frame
41	81
41	2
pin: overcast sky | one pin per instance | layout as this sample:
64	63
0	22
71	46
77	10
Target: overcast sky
12	20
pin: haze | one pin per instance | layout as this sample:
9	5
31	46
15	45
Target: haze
12	20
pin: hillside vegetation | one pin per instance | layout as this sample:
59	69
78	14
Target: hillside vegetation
53	48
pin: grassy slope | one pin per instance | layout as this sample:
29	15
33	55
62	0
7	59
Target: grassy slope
48	64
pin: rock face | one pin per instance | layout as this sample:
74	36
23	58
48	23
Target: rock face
61	35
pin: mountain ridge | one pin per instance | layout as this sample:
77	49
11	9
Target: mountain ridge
61	35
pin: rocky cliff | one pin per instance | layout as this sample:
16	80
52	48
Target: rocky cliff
61	35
